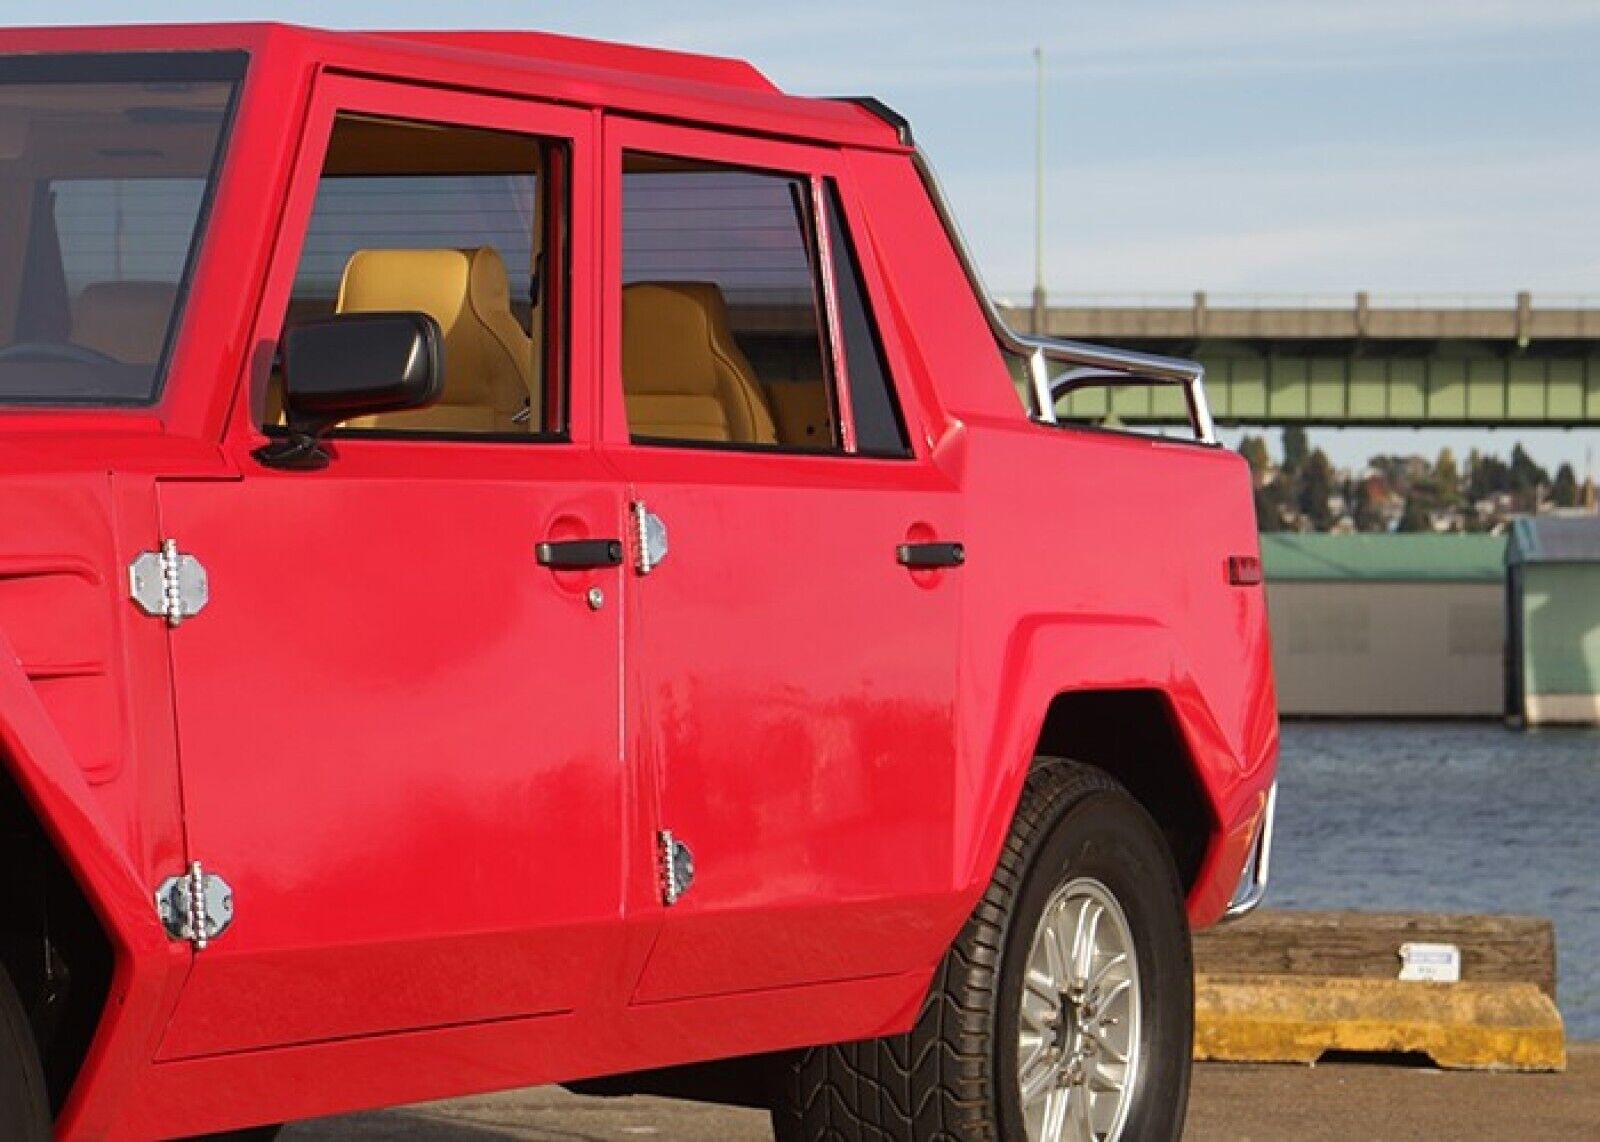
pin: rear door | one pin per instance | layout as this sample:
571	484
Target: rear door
398	731
795	679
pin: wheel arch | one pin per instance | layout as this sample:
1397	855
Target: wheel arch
1118	694
53	945
49	813
1130	735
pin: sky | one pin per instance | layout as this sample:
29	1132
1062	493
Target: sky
1247	147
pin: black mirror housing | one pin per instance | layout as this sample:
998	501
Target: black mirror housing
355	364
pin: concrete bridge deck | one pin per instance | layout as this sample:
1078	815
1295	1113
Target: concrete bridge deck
1517	361
1521	319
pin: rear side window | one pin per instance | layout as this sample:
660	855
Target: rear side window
723	330
745	315
880	429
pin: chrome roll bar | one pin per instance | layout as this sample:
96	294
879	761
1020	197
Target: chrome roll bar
1087	364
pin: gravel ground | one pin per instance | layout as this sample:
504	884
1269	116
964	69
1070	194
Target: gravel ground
1333	1101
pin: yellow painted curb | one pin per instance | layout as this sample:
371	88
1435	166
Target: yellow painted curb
1295	1019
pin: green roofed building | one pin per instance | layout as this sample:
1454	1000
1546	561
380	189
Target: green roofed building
1390	626
1553	588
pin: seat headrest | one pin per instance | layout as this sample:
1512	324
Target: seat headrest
488	355
445	284
672	335
126	321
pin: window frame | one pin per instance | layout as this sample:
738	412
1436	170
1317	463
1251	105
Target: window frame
569	363
813	240
553	348
816	167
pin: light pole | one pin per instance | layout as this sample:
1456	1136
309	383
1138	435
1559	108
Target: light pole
1039	298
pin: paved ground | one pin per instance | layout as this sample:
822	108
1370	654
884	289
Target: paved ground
1231	1102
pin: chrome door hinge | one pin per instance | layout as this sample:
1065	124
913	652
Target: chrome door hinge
649	539
196	906
168	583
677	867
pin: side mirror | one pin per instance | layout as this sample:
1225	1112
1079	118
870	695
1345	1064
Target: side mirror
356	364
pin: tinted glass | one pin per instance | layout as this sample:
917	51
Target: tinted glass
106	163
388	212
880	429
442	220
729	251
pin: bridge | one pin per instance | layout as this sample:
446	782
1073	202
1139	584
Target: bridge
1458	361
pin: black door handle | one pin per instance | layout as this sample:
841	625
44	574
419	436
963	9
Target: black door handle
580	554
920	556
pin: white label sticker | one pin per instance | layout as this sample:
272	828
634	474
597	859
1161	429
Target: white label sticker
1430	963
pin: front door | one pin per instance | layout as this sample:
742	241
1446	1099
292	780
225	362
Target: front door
795	678
398	731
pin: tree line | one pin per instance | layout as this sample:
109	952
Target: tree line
1305	492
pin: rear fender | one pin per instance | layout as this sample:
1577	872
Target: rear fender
1048	655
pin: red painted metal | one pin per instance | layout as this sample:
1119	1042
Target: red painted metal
811	779
434	775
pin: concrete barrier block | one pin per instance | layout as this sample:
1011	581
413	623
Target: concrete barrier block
1298	1019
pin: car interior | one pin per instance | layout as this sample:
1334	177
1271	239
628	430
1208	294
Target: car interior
102	186
721	337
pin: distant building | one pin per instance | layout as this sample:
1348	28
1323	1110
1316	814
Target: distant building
1553	600
1391	626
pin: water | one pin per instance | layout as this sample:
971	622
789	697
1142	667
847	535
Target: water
1449	818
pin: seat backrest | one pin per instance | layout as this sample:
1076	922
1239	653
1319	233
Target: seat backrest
127	321
683	376
488	358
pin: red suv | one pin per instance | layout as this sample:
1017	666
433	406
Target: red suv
534	561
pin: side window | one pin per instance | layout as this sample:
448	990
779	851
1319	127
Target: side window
465	225
124	249
722	324
880	429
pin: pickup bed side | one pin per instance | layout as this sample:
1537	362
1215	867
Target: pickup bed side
1104	567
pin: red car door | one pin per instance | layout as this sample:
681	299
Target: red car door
398	730
794	679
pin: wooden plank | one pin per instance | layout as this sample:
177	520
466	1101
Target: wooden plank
1366	945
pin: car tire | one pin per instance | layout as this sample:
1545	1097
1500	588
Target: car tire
24	1100
1079	848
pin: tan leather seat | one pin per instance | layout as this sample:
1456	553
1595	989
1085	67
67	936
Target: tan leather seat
127	321
488	358
682	375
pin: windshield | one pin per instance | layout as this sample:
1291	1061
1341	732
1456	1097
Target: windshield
106	166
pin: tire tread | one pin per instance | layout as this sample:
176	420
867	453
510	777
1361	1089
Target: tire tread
934	1084
24	1098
